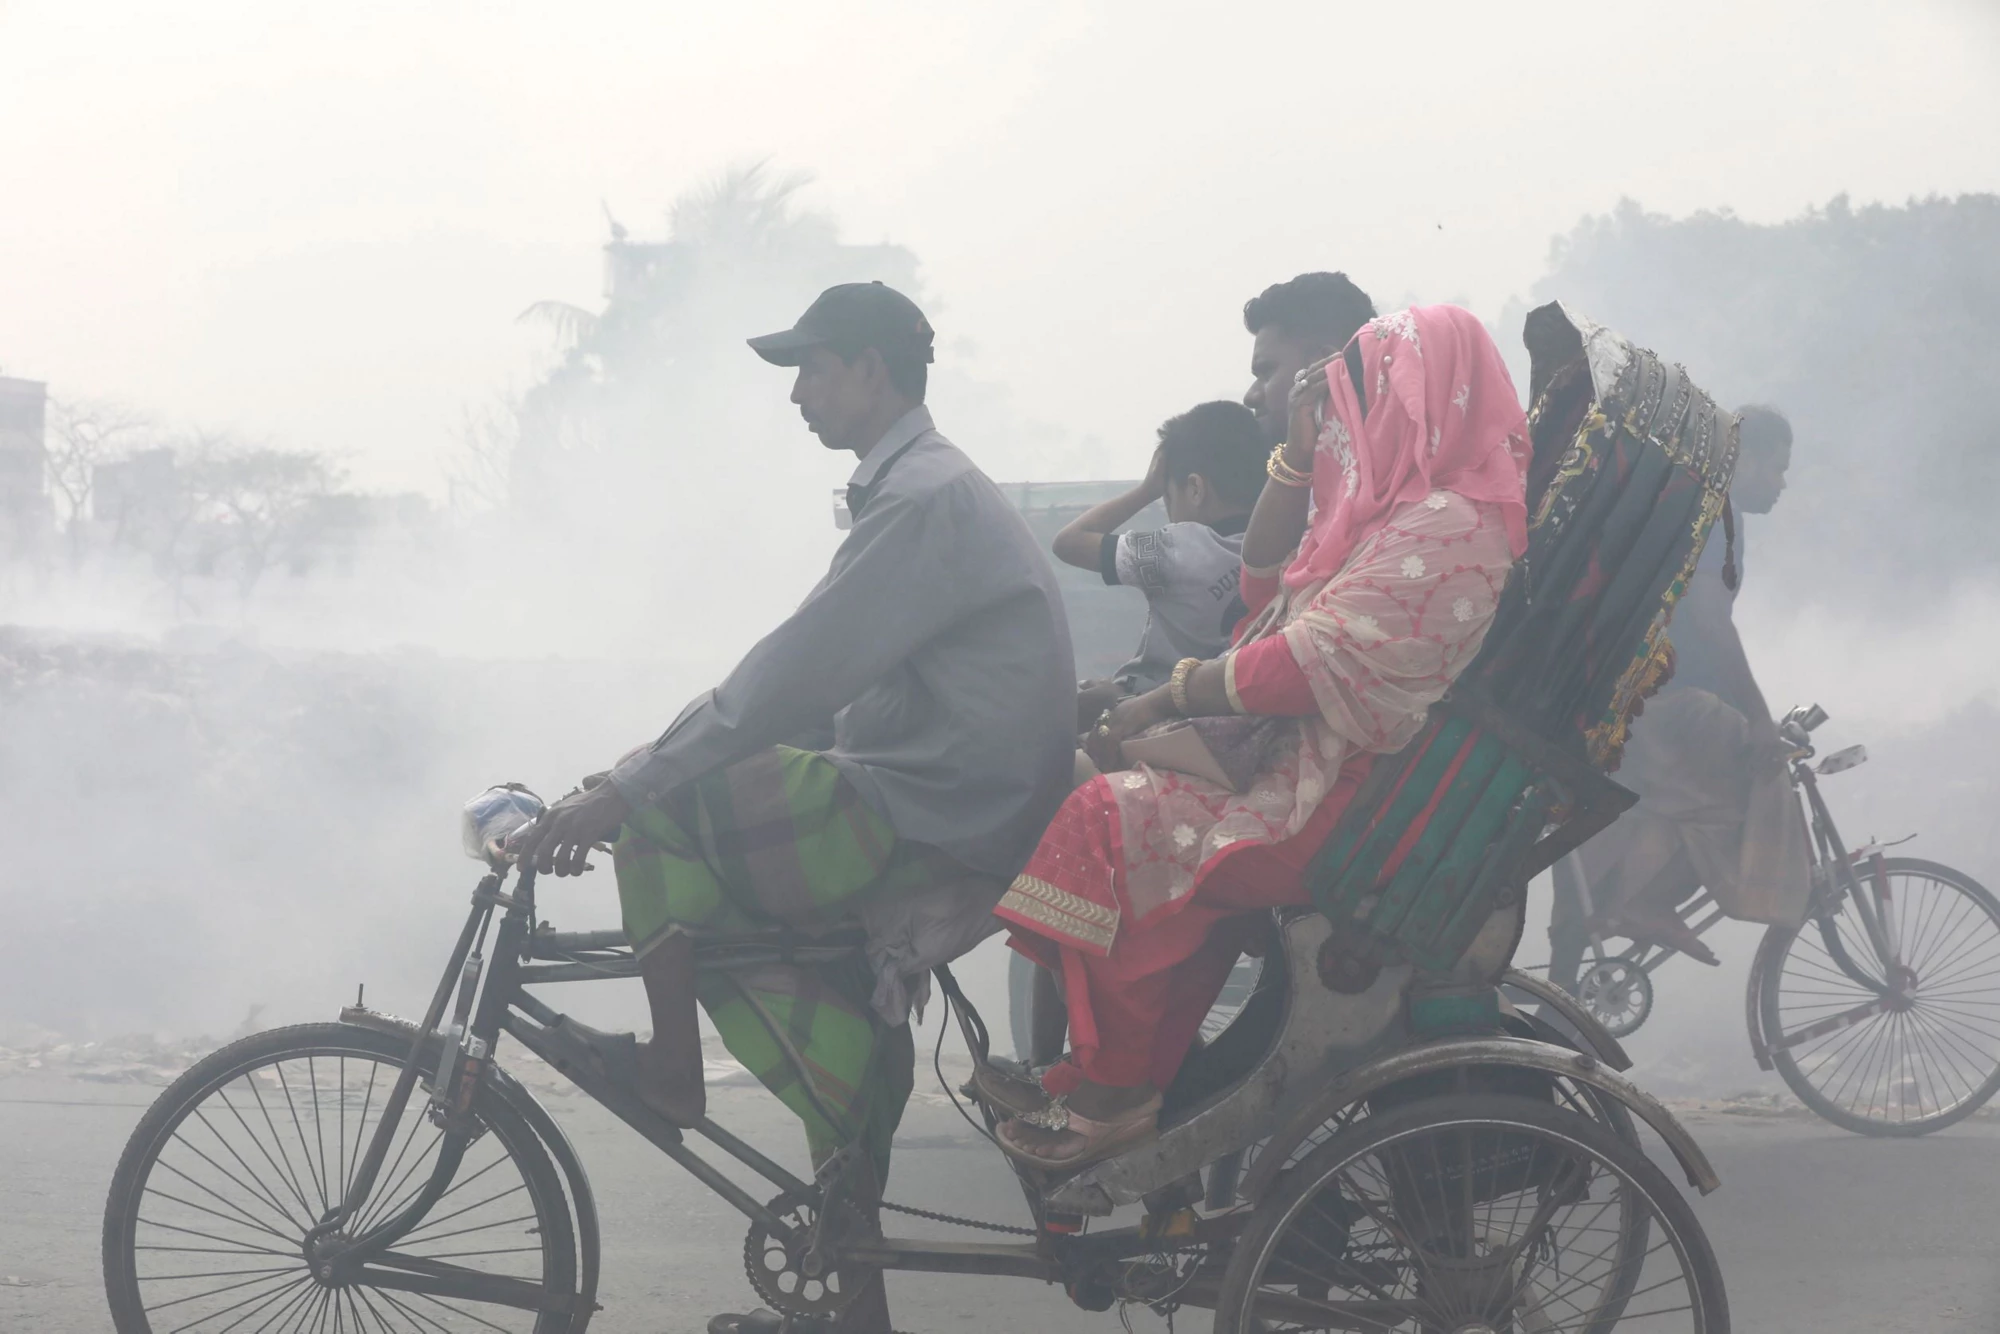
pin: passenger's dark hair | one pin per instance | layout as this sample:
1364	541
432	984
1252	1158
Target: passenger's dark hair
909	372
1222	442
1763	430
1325	307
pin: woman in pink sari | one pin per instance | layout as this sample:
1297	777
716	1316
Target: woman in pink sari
1139	894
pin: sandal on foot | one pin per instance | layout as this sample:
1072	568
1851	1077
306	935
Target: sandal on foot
1097	1139
618	1057
1008	1092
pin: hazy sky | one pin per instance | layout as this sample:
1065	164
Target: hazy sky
319	221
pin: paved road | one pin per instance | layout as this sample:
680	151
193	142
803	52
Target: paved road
1818	1231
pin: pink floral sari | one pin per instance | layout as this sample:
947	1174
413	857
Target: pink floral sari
1419	518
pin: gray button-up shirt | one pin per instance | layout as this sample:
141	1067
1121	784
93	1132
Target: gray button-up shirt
938	644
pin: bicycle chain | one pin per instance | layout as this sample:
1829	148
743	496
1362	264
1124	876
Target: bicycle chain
936	1217
830	1301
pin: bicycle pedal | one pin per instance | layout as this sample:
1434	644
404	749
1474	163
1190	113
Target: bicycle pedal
616	1054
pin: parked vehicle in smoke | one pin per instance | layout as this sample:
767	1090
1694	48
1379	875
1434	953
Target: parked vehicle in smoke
1882	1010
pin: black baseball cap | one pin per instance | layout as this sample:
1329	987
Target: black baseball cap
848	318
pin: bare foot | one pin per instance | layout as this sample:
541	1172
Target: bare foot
1048	1145
1116	1117
671	1085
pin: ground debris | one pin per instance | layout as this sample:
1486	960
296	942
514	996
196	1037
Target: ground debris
138	1058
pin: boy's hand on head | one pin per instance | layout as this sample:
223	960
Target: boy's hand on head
1155	484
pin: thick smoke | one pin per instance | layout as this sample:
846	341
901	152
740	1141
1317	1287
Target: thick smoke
234	792
225	797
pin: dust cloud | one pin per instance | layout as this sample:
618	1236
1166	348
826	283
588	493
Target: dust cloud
240	701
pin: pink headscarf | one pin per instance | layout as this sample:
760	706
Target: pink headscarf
1442	416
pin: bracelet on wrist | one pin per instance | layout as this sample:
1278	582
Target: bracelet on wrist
1283	473
1177	684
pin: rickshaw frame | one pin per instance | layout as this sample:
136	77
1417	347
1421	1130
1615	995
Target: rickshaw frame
455	1059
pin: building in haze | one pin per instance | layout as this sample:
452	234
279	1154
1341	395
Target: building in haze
26	515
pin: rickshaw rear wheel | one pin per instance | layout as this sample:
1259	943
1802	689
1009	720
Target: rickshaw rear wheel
1932	1057
1468	1212
212	1197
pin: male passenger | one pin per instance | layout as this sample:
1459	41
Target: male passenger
1292	325
1208	468
938	644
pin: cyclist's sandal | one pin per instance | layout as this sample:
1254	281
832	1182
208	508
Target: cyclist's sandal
1096	1139
1662	929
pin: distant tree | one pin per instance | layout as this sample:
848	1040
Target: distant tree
262	507
1875	330
210	506
479	465
83	435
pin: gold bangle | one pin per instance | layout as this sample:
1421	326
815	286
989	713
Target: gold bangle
1283	473
1177	684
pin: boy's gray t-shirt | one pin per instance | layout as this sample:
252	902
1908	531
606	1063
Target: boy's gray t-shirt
1189	574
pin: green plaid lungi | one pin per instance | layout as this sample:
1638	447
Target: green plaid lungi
784	838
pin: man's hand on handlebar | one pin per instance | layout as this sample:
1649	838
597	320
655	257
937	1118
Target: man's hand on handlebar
560	841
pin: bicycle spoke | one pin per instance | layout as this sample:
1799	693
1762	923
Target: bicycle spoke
483	1227
255	1189
233	1220
319	1130
227	1241
258	1301
229	1195
417	1319
305	1149
417	1232
360	1130
220	1273
376	1212
296	1271
289	1310
249	1219
285	1178
438	1301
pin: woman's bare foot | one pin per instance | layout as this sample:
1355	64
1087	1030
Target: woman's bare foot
1094	1121
671	1084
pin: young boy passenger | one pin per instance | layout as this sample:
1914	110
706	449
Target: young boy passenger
1209	469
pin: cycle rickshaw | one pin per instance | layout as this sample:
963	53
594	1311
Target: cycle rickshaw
1377	1141
1879	1009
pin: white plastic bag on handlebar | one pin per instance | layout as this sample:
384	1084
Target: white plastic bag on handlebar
489	818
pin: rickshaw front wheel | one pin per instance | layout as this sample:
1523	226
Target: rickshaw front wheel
206	1226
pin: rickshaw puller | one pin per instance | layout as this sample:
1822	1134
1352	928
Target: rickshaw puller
938	646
